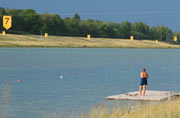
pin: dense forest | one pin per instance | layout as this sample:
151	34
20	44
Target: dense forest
28	21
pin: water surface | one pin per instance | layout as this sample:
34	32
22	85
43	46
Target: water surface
67	80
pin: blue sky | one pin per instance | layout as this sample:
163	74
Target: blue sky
152	12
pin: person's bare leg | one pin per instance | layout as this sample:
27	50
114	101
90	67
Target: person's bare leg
140	89
144	90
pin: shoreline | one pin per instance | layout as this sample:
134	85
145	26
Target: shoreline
9	46
38	41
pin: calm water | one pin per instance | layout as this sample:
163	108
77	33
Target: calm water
67	80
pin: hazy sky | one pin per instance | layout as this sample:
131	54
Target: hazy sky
152	12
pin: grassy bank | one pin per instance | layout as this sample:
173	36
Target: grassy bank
169	109
10	40
166	109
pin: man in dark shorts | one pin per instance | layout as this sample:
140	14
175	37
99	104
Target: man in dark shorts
144	77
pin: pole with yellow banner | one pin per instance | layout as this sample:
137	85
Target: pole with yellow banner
7	22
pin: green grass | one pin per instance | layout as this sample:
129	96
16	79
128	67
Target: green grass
12	40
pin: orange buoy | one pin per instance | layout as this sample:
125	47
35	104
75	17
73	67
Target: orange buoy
18	81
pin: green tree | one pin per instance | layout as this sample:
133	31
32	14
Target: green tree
111	30
72	26
140	30
123	30
76	16
52	24
161	33
31	21
95	28
2	11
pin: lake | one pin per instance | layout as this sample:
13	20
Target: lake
69	80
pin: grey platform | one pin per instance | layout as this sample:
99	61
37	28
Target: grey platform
150	95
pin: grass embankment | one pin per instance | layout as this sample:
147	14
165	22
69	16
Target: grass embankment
10	40
169	109
166	109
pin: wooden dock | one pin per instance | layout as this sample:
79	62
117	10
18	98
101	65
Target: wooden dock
150	95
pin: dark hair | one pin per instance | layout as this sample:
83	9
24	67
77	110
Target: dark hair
144	70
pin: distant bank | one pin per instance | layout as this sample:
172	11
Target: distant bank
12	40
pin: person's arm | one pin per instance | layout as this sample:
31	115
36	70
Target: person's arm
141	75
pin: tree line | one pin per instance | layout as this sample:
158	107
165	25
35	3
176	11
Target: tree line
28	21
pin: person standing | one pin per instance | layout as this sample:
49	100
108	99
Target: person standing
143	83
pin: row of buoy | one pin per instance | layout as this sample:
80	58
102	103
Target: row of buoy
61	77
121	71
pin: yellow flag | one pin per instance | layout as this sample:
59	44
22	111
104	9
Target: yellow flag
7	22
